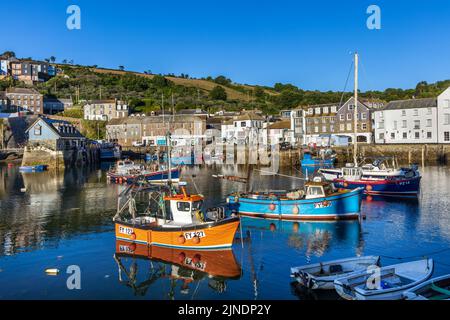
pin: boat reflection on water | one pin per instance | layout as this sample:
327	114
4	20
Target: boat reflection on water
179	266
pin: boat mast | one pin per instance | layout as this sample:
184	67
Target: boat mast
355	114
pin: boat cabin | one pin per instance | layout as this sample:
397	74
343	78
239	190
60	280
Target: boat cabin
184	208
318	189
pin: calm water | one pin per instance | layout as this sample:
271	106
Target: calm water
64	220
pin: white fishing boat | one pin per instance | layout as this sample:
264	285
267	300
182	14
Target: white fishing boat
433	289
388	283
322	275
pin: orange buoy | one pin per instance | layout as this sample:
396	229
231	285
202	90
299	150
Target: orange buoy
345	184
133	236
369	187
196	258
132	247
272	227
181	257
181	239
196	239
272	206
369	198
295	210
295	226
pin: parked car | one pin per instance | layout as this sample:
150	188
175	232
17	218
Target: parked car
138	144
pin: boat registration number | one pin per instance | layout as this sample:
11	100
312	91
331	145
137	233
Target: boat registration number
323	204
190	235
126	249
197	265
125	230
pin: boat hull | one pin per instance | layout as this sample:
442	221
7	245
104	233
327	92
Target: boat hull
206	236
343	206
159	176
395	187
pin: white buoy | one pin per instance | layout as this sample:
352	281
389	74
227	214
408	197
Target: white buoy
23	189
52	271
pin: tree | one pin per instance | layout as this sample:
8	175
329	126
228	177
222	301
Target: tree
9	54
121	68
258	92
222	80
64	61
218	93
53	59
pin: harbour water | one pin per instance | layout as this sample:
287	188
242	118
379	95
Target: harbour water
65	220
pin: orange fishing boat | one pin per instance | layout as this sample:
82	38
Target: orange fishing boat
172	219
216	263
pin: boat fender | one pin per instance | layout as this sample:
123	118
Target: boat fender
181	239
196	258
295	210
272	227
133	236
181	257
369	188
272	206
132	247
196	239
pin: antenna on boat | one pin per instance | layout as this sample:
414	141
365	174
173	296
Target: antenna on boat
355	113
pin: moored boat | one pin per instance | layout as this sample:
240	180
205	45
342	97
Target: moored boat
126	171
388	283
311	161
109	151
322	275
433	289
319	200
35	168
174	220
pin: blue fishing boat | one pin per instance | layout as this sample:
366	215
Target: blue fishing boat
319	200
126	171
36	168
311	161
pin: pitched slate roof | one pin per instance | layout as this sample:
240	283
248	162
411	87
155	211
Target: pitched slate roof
22	90
411	104
55	124
285	124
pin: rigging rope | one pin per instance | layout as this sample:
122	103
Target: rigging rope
346	82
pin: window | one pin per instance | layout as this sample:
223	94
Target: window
341	117
416	112
381	136
392	135
405	135
317	110
364	126
324	128
342	127
325	109
349	126
184	206
37	130
316	129
404	123
429	111
428	122
350	107
331	128
447	136
349	116
243	124
381	125
395	125
429	135
324	120
417	135
416	124
333	109
363	116
403	113
447	119
447	104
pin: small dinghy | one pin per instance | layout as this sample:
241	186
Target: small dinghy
322	275
394	280
434	289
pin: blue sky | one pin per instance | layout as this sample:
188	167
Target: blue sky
307	43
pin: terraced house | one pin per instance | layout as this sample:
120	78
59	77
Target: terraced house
332	119
24	99
105	110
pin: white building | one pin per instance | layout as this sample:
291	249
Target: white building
414	121
407	121
298	126
242	129
105	110
443	102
